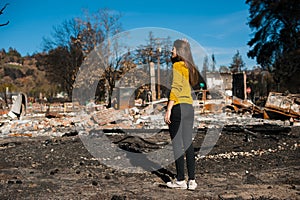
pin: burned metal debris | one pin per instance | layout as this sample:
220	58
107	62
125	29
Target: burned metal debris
283	107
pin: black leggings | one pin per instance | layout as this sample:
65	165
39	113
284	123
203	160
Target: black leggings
181	129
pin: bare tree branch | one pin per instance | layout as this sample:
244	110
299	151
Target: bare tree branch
4	24
1	12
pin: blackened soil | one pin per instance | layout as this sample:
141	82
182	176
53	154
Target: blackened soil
240	166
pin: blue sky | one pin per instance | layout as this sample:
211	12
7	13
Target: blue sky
220	26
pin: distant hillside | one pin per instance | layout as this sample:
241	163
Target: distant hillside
21	74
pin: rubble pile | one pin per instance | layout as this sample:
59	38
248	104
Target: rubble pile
37	127
151	117
37	124
57	122
58	119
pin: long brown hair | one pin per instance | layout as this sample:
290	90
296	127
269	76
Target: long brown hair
183	51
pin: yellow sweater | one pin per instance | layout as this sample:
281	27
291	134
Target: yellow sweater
181	90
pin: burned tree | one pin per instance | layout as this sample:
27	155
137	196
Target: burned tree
96	36
1	12
64	56
103	61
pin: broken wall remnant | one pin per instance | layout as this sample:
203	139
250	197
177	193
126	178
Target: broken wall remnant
219	81
214	81
19	106
54	107
282	107
227	81
124	98
239	85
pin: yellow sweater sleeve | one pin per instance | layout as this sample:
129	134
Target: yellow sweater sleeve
180	91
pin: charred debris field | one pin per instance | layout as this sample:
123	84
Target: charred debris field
258	163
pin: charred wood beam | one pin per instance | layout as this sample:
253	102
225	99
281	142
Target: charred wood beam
264	128
250	132
138	139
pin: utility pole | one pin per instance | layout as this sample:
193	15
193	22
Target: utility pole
158	51
160	47
158	72
152	80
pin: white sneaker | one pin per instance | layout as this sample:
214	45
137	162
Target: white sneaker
12	115
177	184
192	185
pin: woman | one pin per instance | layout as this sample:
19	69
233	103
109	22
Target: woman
180	113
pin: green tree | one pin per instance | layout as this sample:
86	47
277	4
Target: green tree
4	85
276	40
213	64
260	81
13	55
62	67
205	67
237	63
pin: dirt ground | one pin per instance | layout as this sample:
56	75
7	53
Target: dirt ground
240	166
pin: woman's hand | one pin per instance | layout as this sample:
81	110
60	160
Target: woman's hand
168	112
167	117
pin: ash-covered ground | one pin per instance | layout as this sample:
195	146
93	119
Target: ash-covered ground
260	163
